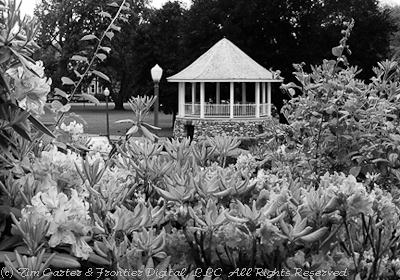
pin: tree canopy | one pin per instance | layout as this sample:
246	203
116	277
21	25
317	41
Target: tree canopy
275	33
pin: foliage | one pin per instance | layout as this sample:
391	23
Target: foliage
316	198
174	36
294	31
161	43
23	86
342	124
64	23
141	107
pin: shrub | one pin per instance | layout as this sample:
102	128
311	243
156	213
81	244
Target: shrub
315	199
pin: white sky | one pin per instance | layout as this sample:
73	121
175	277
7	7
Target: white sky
391	2
28	5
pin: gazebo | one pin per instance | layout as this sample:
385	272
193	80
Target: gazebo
224	76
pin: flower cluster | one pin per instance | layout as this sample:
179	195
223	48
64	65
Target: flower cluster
246	162
74	129
68	218
61	167
347	195
31	86
99	146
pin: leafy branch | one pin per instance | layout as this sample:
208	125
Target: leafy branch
96	55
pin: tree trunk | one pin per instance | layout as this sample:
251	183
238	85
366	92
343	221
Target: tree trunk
119	104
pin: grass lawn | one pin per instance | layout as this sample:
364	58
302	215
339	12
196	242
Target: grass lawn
95	116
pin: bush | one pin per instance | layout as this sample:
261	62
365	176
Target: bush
318	198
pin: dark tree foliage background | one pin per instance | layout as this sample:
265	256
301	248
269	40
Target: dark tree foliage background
275	33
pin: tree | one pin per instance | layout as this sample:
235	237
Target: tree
63	25
395	38
279	33
160	43
275	33
121	66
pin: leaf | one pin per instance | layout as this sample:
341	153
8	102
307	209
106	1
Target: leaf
40	126
79	75
81	147
4	147
101	56
96	259
337	51
110	35
67	81
79	58
7	210
116	28
160	255
163	266
113	4
132	130
65	108
380	160
148	134
77	117
105	14
166	195
125	121
24	60
56	105
106	49
20	117
21	131
61	93
101	75
91	98
315	236
89	37
11	241
5	56
151	126
355	170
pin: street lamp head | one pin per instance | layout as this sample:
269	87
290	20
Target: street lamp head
156	73
106	92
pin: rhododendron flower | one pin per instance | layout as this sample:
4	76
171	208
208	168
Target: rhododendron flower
51	199
68	217
74	129
346	195
61	167
30	89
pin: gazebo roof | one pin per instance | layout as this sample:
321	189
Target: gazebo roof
224	62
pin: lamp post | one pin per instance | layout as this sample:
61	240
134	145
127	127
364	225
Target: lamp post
106	93
156	73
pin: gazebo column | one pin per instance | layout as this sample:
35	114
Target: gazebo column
218	96
218	93
181	99
244	101
202	99
263	99
257	99
193	97
232	100
244	93
269	99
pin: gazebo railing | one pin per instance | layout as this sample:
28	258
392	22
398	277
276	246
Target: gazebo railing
223	110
